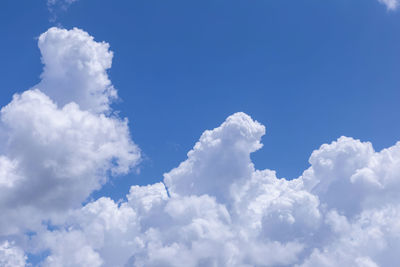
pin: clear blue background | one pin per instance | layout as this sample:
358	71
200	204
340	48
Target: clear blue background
309	70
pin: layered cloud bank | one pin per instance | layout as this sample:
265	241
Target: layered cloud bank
62	141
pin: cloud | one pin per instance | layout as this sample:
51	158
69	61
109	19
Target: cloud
53	2
75	69
214	209
390	4
55	154
221	211
252	218
226	148
11	256
55	6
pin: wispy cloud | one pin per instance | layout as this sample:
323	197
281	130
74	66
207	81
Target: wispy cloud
390	4
57	6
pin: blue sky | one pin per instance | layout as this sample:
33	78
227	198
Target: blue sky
310	71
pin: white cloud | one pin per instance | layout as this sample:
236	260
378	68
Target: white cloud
252	218
226	148
214	209
11	256
390	4
56	6
75	69
55	156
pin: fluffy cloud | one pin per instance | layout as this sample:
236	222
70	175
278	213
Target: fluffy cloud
56	152
75	69
59	156
251	218
226	148
62	141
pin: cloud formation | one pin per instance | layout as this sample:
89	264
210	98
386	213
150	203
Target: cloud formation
390	4
55	154
214	209
221	211
75	69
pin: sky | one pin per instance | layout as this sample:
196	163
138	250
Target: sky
156	133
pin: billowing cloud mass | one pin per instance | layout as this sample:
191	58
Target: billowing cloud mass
214	209
56	152
75	69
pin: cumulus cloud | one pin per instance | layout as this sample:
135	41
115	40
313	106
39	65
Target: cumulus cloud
226	148
251	218
75	69
56	151
214	209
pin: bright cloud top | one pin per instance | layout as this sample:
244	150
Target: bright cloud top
214	209
75	69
